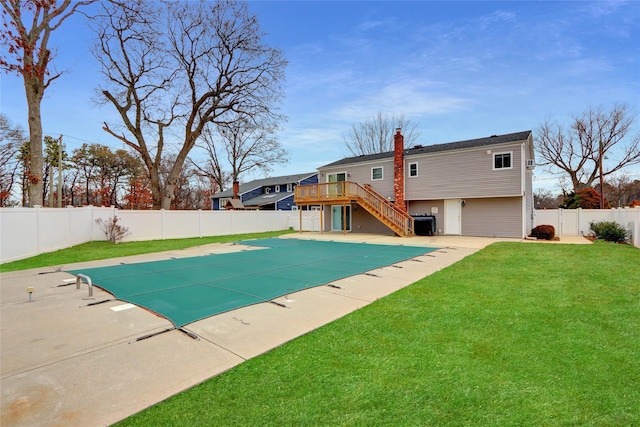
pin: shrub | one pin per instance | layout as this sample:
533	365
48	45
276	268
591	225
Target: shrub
114	231
610	231
544	232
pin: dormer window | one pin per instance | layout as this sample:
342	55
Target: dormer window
289	188
277	188
267	190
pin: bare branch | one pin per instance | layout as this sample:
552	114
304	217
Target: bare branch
375	135
594	136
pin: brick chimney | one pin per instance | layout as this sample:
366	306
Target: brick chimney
236	189
398	170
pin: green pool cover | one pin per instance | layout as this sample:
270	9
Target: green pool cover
189	289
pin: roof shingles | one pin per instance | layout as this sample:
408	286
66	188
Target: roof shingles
479	142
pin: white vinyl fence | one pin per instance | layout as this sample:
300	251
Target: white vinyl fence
25	232
576	222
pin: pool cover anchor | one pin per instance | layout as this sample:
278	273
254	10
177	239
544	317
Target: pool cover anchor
189	334
153	334
98	302
278	303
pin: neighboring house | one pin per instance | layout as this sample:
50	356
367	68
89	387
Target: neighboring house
265	194
479	187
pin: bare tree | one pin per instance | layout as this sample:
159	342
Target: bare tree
11	139
621	190
593	136
213	167
544	199
173	68
375	135
246	147
26	32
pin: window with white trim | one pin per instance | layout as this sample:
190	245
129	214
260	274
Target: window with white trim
413	170
289	188
267	190
223	202
376	173
277	188
502	160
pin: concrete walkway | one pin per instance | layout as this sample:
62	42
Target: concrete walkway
66	362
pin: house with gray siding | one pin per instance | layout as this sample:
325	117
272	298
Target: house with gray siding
265	194
478	187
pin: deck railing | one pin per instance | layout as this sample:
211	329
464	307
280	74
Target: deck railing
348	192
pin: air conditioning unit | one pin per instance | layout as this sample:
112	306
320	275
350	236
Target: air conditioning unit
531	164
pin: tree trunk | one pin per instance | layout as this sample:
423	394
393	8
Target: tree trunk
34	90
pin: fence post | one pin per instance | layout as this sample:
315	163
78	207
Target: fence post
579	219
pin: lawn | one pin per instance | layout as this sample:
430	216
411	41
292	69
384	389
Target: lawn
96	250
516	334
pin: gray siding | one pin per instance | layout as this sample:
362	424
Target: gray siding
496	217
462	174
364	222
361	173
424	207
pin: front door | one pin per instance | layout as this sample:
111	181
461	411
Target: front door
340	220
452	216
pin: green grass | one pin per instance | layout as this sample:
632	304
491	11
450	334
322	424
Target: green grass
514	335
104	249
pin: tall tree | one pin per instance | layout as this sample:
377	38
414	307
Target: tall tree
173	68
375	135
596	144
26	32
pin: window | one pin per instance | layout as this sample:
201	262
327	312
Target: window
413	169
267	190
376	173
502	161
223	202
277	188
289	188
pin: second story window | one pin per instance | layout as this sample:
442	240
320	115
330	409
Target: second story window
277	188
413	169
267	190
289	188
502	161
376	173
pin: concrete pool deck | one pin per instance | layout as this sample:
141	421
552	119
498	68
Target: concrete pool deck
66	362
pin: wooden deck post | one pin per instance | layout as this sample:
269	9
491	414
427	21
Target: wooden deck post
300	211
344	219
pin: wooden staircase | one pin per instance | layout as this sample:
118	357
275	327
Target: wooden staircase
346	192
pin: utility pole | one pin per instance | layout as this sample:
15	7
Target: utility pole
601	178
50	198
60	171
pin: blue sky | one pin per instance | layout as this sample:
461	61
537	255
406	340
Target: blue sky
459	70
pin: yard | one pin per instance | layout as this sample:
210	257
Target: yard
516	334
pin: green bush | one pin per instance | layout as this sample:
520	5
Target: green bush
544	232
610	231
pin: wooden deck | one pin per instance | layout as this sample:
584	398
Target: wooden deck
346	192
